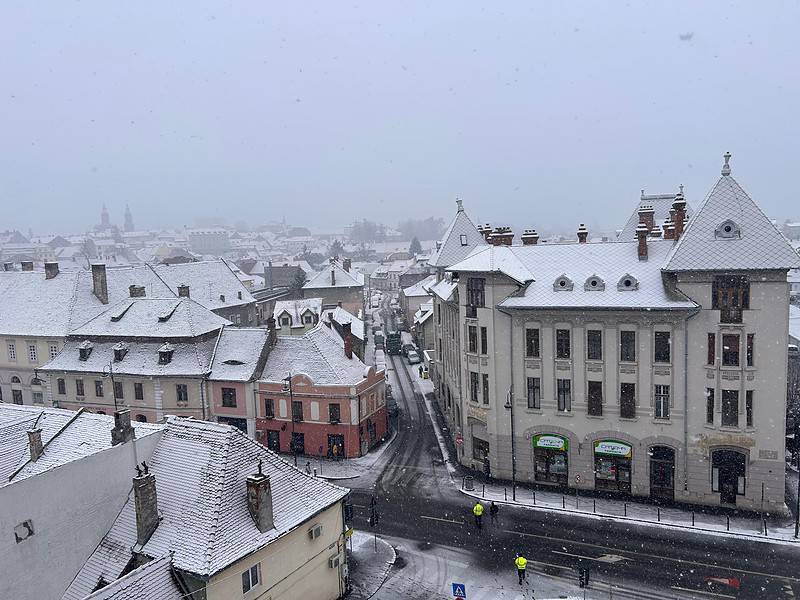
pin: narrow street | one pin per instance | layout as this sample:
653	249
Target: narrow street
420	506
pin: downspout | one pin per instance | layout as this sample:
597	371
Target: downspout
686	400
511	400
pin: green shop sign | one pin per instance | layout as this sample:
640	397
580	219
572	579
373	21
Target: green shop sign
551	442
613	448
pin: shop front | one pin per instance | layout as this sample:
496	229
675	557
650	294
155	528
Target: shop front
551	459
612	465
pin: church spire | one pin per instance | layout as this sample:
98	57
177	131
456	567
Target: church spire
128	219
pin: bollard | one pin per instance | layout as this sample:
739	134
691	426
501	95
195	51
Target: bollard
728	526
626	509
484	491
765	527
534	497
563	502
315	472
594	505
505	494
692	518
659	514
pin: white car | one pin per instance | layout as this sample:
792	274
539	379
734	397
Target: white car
413	357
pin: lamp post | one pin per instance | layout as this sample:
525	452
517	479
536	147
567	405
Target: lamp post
510	407
288	386
108	371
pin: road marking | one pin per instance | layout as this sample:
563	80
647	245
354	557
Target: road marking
606	558
655	556
683	589
440	519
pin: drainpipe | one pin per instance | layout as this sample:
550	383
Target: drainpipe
686	399
511	402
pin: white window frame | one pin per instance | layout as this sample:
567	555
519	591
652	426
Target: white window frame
661	402
53	350
32	353
12	351
251	578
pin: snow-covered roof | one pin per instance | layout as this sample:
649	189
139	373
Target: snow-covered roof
458	241
163	318
239	353
33	305
154	580
318	353
424	313
421	288
342	278
66	435
200	471
661	205
211	283
730	233
297	308
444	289
342	316
604	275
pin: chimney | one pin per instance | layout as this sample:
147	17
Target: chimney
583	233
183	291
259	500
669	230
99	282
679	206
347	335
146	503
486	231
27	265
7	266
647	216
35	443
122	431
655	232
346	264
501	236
136	291
333	277
271	332
529	237
641	235
50	270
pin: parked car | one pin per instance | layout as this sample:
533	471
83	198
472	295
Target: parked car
406	348
413	357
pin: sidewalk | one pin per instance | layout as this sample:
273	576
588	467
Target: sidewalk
780	529
369	562
346	468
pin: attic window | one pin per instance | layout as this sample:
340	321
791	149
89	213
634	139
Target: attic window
222	297
594	284
464	239
627	283
562	284
728	230
85	350
120	350
233	361
165	353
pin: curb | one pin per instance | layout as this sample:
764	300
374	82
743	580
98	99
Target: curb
595	516
389	565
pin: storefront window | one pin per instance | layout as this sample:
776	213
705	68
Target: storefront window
612	465
551	459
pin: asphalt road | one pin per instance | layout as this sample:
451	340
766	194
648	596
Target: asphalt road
417	501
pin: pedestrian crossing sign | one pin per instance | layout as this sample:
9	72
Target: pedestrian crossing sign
459	590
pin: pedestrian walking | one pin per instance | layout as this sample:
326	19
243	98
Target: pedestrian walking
420	370
493	510
335	451
308	467
520	562
477	510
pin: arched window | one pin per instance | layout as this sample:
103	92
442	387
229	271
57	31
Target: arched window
15	379
594	284
562	284
627	283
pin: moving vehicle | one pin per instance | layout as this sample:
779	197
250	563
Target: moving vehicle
413	357
393	342
379	341
407	347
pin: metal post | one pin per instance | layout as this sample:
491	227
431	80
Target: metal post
563	501
797	500
505	494
728	526
626	509
594	505
692	518
510	407
659	514
534	497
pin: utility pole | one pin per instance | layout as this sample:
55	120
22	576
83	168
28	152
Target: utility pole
510	407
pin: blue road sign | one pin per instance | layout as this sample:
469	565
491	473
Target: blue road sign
459	590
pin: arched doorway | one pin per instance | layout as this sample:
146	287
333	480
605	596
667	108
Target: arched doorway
16	390
662	472
728	474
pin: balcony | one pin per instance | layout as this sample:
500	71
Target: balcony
730	315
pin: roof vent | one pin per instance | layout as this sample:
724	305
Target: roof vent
562	284
594	284
85	350
233	361
627	283
728	230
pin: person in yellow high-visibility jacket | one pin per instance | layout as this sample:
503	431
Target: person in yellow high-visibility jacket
477	510
521	562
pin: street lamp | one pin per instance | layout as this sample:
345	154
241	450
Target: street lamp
287	386
510	407
108	371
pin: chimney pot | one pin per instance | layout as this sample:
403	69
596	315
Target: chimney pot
647	215
27	265
146	504
259	500
529	237
99	282
35	443
50	270
679	207
123	431
183	291
583	233
346	264
272	332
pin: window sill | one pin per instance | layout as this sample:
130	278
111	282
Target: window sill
564	413
732	428
710	426
630	419
534	411
657	421
595	416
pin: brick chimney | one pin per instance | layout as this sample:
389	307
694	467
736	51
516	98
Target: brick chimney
272	333
346	264
268	275
501	236
347	336
35	443
647	216
583	233
486	231
641	235
333	277
146	503
50	270
259	500
183	291
655	232
679	206
669	230
99	282
27	265
529	237
122	431
136	291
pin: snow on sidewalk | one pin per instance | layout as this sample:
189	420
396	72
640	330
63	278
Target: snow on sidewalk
370	559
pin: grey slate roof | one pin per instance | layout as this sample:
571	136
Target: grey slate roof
152	581
297	308
341	278
421	288
661	203
451	249
759	246
444	289
200	470
238	353
342	316
207	281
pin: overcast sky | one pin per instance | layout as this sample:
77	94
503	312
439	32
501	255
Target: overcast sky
536	114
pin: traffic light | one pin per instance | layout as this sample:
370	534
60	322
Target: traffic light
583	577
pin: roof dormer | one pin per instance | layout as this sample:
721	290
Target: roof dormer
165	353
562	283
85	350
594	284
627	283
728	230
120	350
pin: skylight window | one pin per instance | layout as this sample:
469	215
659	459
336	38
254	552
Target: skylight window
627	283
728	230
562	284
464	239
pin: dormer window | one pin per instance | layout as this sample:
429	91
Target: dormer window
239	294
286	320
594	284
728	230
627	283
85	350
562	284
120	350
464	239
222	297
165	353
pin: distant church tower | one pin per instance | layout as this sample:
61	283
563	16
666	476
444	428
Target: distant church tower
128	219
105	223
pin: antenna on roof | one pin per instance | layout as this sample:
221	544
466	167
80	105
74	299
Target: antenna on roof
680	187
138	471
726	168
145	467
460	204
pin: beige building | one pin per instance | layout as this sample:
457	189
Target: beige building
338	285
654	367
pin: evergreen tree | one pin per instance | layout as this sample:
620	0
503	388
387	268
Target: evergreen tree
415	247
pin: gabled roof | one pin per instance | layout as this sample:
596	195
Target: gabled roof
297	308
421	288
200	470
209	282
730	233
661	205
239	353
444	289
154	580
452	249
499	259
342	278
